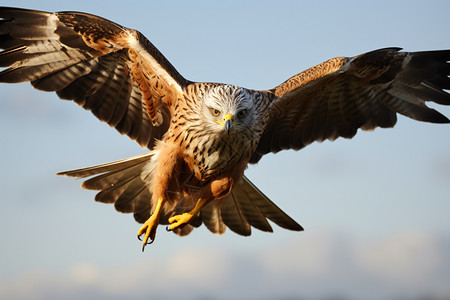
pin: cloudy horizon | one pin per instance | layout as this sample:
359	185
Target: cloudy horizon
408	266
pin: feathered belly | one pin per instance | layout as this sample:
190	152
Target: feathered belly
214	157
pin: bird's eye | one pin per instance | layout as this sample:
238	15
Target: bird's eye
242	114
215	112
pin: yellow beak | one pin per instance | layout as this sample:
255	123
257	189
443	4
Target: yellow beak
228	122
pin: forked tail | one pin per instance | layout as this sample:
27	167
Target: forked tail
127	184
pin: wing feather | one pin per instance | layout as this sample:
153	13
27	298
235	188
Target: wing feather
111	70
336	98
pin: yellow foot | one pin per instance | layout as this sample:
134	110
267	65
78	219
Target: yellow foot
150	226
179	221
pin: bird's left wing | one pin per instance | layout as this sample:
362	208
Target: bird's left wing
113	71
336	98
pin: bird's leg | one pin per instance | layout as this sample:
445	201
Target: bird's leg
150	225
217	189
183	219
168	159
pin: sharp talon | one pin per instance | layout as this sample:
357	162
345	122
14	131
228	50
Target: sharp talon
139	236
150	226
168	228
149	241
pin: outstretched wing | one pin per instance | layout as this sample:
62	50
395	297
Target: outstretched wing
111	70
335	98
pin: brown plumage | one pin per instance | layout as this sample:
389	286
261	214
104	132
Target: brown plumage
203	135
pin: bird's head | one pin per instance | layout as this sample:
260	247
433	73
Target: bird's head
228	108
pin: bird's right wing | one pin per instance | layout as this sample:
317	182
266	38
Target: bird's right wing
113	71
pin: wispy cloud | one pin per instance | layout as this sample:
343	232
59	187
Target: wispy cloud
315	266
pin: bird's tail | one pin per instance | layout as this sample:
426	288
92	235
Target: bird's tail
245	207
125	183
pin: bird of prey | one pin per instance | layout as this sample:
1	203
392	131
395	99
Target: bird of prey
202	135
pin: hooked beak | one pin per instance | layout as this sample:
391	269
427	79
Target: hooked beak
228	122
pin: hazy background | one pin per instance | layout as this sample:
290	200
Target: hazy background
375	209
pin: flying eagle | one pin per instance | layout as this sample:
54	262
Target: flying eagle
202	135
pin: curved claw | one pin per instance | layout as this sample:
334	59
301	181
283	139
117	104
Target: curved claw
149	227
147	234
149	241
168	228
140	238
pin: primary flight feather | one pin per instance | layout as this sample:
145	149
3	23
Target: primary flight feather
203	135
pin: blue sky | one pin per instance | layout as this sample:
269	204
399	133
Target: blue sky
375	208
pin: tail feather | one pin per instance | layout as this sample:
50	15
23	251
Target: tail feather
108	167
248	197
126	183
120	183
112	193
111	178
233	216
247	206
244	208
270	210
211	216
139	194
